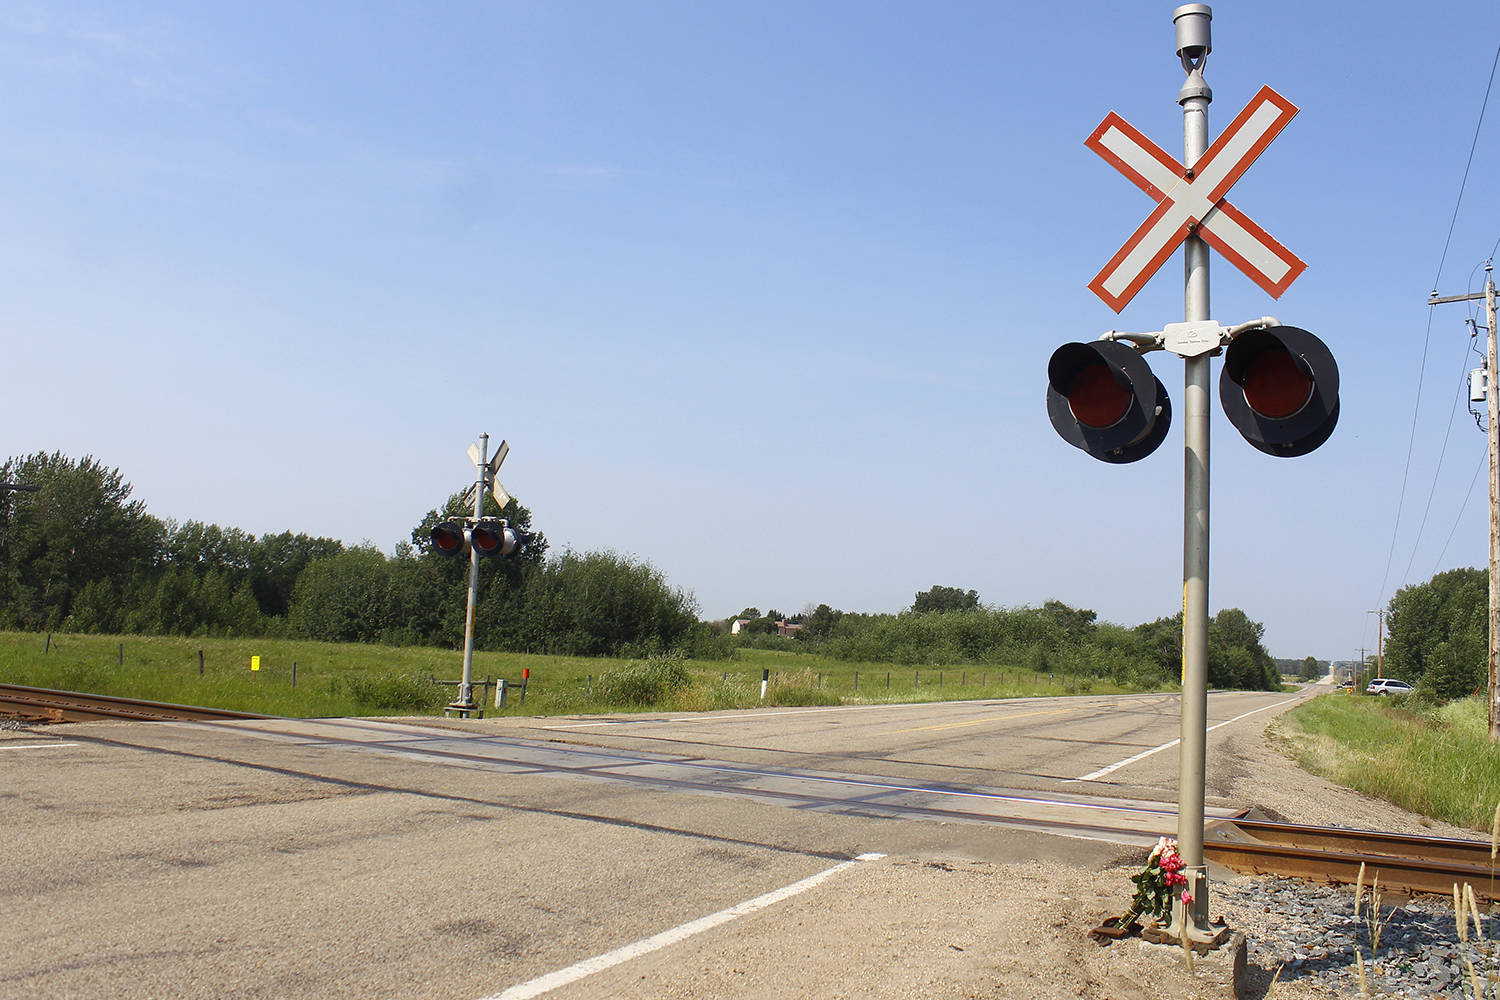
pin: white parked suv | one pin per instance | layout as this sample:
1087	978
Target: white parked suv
1388	685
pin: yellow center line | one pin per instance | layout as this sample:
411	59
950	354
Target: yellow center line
976	722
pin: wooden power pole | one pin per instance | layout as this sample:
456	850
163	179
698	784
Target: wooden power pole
1491	384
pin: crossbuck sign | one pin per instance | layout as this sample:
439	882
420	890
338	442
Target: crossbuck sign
1191	200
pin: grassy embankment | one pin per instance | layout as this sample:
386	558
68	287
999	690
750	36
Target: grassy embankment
335	679
1435	761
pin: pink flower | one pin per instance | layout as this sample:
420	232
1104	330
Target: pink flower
1186	896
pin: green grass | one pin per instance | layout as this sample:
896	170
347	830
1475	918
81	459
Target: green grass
1435	761
334	679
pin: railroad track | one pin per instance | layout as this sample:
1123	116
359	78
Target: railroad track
1325	854
1333	854
46	705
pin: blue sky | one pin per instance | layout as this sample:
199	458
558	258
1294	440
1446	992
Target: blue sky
762	293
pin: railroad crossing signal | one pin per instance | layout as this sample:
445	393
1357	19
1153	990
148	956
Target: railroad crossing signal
1191	201
486	536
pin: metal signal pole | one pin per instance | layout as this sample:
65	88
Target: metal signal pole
1193	45
1494	444
466	686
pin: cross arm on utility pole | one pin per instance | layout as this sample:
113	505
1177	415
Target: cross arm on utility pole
1438	300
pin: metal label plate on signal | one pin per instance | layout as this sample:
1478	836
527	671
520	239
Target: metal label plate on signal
1194	339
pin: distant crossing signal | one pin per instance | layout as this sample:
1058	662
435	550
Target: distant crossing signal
1103	399
488	536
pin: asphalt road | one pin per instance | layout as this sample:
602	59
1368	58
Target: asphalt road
466	859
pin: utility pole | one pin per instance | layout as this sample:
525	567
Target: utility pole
1379	641
1488	295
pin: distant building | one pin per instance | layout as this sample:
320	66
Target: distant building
737	624
782	628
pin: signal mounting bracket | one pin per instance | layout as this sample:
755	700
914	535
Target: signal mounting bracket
1193	339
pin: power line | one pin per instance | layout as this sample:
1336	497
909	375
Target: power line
1406	472
1437	473
1427	337
1464	183
1461	508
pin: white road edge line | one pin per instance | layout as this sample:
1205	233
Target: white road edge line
34	746
589	966
1096	775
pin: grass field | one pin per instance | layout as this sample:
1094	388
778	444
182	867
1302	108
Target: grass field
1435	761
351	679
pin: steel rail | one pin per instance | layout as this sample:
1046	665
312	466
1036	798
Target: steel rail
1334	855
47	705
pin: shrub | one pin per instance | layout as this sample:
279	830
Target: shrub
643	682
392	692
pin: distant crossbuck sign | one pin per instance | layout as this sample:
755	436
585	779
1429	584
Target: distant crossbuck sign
1193	200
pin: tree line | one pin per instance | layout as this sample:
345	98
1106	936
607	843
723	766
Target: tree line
80	554
948	625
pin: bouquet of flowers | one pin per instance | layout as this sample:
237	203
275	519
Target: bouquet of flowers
1157	883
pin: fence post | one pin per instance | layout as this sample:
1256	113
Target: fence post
887	680
49	643
294	673
525	676
765	679
820	680
588	687
200	663
122	654
940	678
856	680
919	679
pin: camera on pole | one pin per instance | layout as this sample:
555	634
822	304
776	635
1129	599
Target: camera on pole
1280	389
1102	398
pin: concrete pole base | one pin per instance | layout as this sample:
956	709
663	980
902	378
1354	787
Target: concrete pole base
463	709
1218	973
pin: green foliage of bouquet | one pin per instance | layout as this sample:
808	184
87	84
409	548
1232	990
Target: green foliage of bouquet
1156	884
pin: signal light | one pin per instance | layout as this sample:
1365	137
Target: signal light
493	536
450	538
1280	389
489	536
1103	399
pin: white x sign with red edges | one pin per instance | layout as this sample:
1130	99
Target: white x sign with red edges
1192	200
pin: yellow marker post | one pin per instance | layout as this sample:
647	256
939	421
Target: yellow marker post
255	663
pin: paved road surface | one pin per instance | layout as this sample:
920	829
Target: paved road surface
360	860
